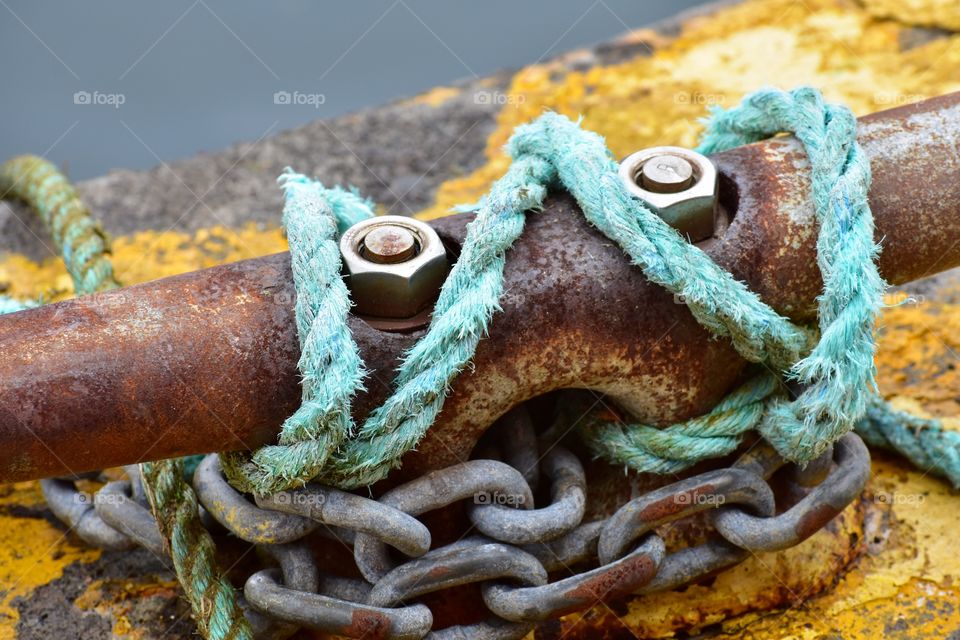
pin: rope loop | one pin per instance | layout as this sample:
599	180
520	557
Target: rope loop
321	442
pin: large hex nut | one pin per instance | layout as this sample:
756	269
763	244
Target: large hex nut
691	209
401	289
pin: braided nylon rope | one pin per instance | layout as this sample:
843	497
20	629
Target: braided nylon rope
85	250
212	597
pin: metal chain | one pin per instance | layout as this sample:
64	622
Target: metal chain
115	517
520	546
515	549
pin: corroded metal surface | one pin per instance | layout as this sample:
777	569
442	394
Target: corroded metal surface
206	361
901	535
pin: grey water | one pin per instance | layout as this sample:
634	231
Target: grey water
105	84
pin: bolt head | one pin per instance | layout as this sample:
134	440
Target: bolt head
394	266
389	244
658	176
666	173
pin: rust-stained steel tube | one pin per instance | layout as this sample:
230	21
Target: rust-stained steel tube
206	361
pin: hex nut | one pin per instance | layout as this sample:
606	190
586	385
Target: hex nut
692	210
393	290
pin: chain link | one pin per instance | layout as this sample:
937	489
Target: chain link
520	547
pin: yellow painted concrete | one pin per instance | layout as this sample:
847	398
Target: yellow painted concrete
144	256
944	14
32	551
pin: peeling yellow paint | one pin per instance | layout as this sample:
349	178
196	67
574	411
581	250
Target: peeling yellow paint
905	586
918	357
32	551
758	583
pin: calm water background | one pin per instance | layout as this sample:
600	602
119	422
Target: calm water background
97	85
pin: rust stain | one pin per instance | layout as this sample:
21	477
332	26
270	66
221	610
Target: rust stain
368	624
613	584
674	504
439	572
814	520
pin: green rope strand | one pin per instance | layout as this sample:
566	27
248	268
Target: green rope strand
193	551
85	250
675	448
83	245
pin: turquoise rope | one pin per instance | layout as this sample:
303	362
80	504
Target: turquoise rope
677	447
467	300
213	599
839	374
330	365
922	441
837	370
9	305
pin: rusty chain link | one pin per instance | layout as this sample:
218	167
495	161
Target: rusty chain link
516	547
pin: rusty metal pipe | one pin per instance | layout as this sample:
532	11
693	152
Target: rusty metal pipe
206	361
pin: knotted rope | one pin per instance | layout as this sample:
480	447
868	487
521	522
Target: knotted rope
838	374
320	441
837	370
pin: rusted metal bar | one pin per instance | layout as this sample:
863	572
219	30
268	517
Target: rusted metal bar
206	361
